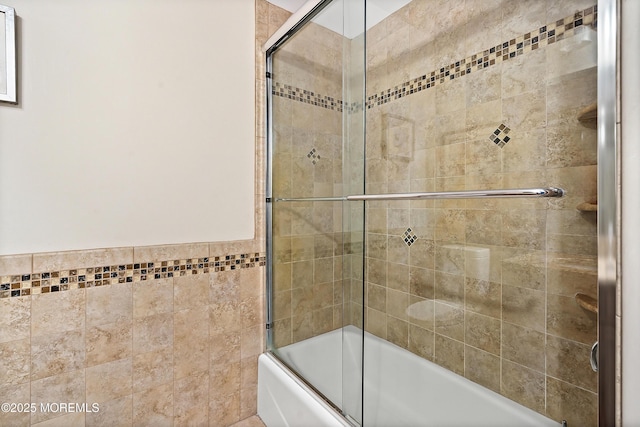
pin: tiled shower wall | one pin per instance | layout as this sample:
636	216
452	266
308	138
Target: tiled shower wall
486	95
165	335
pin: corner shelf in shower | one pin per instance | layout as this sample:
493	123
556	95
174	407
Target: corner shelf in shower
588	206
588	116
587	302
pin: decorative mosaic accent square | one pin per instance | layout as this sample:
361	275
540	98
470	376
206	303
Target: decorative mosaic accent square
313	156
499	136
409	237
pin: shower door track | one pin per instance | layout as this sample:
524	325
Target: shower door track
474	194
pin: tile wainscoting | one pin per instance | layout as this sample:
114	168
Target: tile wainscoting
175	346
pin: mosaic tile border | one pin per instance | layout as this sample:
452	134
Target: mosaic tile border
56	281
539	38
536	39
307	97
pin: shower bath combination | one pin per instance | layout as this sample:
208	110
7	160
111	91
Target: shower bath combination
431	183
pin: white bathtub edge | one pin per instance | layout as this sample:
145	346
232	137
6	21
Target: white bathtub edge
296	404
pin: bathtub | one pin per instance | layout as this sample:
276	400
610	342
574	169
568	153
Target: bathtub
401	389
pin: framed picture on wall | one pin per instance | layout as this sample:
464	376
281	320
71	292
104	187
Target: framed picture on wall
7	54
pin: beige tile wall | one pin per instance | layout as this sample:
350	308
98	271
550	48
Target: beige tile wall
502	314
171	351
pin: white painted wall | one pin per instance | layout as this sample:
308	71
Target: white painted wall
630	148
135	125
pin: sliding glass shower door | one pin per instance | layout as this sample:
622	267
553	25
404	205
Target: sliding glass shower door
316	155
446	204
486	95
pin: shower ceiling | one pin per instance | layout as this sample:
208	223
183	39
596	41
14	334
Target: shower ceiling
332	16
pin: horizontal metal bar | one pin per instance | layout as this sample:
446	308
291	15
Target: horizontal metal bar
474	194
312	199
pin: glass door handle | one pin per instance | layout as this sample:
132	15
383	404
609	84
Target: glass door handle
594	357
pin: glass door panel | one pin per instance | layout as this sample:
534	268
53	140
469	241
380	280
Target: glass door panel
484	95
316	146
